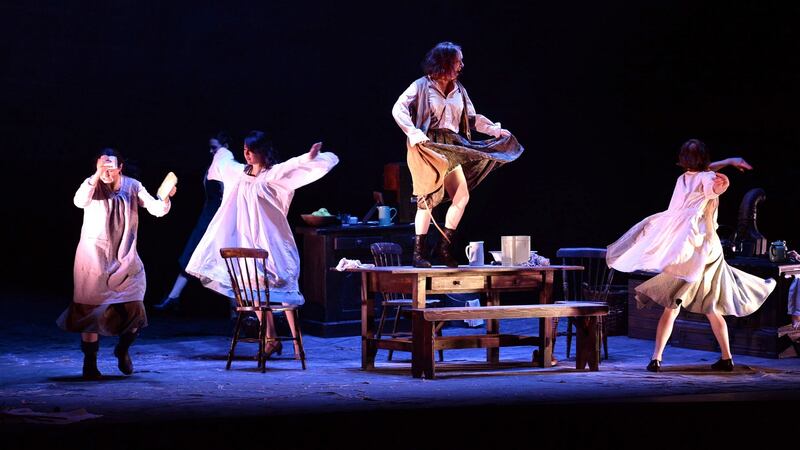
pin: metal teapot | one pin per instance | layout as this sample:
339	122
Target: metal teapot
777	251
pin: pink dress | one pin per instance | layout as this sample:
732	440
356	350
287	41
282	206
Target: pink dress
682	244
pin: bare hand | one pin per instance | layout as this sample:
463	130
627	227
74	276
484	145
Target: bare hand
173	191
504	132
740	164
315	150
102	162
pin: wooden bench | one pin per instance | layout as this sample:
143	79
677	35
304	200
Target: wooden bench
425	344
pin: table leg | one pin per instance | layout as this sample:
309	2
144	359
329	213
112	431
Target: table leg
422	363
547	329
546	332
493	327
587	343
368	346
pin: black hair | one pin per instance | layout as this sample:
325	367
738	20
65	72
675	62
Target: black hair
223	138
258	142
440	59
694	156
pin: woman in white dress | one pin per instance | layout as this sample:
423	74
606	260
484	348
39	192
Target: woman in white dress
683	245
109	279
255	201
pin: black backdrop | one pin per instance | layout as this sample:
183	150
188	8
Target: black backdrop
601	95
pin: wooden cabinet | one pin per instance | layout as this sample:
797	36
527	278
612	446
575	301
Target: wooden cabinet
333	299
754	335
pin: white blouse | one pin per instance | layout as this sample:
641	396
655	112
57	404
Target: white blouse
446	113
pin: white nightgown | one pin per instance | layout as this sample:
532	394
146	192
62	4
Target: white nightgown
107	266
253	215
683	245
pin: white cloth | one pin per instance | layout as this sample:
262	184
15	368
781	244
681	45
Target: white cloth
794	297
345	264
445	111
676	241
682	243
107	266
253	215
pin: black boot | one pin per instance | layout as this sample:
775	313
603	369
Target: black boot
420	251
445	248
121	352
89	350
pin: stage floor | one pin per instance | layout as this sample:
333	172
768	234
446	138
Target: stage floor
180	379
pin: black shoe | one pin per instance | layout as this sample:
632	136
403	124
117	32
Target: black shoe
121	352
420	252
90	371
445	248
167	303
724	365
654	366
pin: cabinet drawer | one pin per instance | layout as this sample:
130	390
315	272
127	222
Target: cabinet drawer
458	282
520	281
356	243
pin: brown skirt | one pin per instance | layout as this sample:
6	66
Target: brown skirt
108	320
476	158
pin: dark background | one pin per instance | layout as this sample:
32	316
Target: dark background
601	95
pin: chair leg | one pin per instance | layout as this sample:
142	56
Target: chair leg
236	330
603	335
570	324
293	317
394	329
262	342
381	322
437	327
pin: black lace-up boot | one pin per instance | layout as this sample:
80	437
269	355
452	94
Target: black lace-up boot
445	248
420	252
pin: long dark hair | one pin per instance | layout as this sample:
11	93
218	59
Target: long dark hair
440	60
694	156
258	142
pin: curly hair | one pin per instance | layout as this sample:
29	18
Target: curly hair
441	59
694	156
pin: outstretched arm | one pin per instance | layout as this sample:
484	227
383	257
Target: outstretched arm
739	163
302	170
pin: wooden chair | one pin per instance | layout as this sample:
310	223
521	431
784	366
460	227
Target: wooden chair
389	254
589	285
251	292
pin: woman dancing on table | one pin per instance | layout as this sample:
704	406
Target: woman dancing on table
437	116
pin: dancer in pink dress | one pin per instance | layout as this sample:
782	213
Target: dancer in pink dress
682	244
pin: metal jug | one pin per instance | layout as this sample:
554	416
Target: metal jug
777	251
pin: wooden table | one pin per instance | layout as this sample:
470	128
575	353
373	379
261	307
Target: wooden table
490	280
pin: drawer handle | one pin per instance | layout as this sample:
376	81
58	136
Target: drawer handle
456	282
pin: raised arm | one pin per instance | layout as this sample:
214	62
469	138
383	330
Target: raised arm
155	206
83	196
738	163
302	170
224	167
